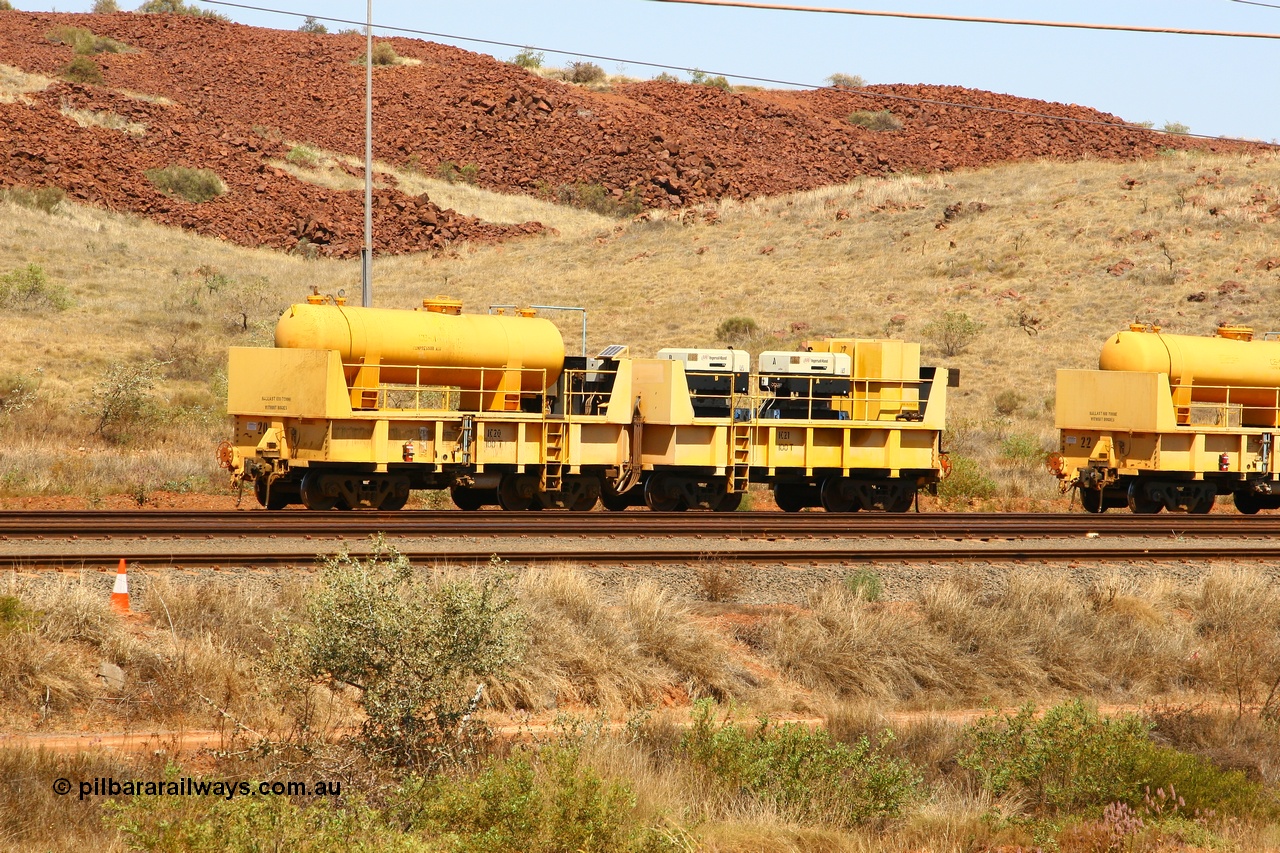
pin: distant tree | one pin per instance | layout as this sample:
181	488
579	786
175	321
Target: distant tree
845	81
105	7
528	58
311	25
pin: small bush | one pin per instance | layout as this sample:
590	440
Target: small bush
598	199
413	649
953	332
301	155
664	77
804	774
1007	402
966	480
121	401
105	7
177	7
1073	760
453	173
194	185
17	392
82	69
6	6
28	289
1176	127
84	42
585	72
383	54
702	78
45	199
864	584
875	120
529	58
846	81
311	25
736	330
1023	449
546	799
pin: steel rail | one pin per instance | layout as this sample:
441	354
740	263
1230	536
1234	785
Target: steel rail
153	523
1079	552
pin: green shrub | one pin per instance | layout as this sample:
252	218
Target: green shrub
121	401
383	54
585	72
17	392
702	78
28	289
311	25
737	330
6	6
82	69
194	185
665	77
598	199
1007	401
966	480
105	7
453	173
1176	127
84	42
953	332
177	7
301	155
532	800
1023	449
45	199
804	774
864	584
1073	760
875	120
845	81
529	58
413	649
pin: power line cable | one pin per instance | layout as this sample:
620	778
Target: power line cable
1256	3
921	16
768	80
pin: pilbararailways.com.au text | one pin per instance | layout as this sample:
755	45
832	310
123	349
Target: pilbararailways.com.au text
109	786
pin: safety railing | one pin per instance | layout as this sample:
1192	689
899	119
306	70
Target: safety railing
1226	406
408	387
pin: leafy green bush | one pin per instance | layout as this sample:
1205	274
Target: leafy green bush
864	584
598	199
82	69
702	78
953	332
105	7
529	58
194	185
1023	449
121	401
585	72
414	650
177	7
301	155
84	42
966	480
1074	760
6	6
875	120
845	81
17	392
735	330
533	800
45	199
806	775
28	289
453	173
311	25
1176	127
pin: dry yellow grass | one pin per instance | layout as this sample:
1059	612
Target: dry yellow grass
1029	255
16	84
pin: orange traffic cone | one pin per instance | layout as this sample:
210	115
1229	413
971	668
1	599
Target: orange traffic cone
120	592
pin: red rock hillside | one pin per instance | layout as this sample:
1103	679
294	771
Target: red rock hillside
229	92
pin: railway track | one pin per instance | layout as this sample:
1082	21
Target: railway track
159	523
155	539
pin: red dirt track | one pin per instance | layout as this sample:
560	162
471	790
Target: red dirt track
237	90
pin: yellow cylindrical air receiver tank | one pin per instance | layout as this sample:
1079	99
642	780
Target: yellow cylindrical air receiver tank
1228	368
434	345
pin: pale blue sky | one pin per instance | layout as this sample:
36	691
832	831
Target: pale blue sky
1217	86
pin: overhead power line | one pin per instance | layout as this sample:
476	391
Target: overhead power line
1256	3
920	16
768	80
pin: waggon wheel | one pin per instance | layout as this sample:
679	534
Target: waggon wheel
276	498
1247	502
833	499
658	499
1091	500
1204	506
393	501
1140	503
512	498
312	495
788	497
900	499
729	502
466	498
